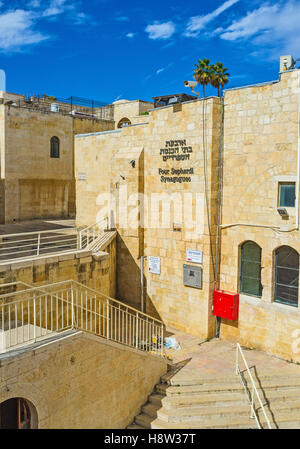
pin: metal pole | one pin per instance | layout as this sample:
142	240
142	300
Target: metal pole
142	285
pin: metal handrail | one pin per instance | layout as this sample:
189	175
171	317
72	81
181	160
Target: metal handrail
254	391
28	315
91	233
31	244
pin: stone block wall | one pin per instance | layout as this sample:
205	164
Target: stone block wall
81	382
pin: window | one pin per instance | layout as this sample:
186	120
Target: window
250	280
286	276
54	147
124	122
287	194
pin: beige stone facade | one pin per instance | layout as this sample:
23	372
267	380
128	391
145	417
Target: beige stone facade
166	296
34	184
96	271
130	111
259	148
261	132
80	381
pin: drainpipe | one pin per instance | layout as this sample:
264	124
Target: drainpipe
216	284
142	284
298	159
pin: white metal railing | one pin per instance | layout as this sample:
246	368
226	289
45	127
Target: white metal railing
253	390
31	244
31	314
27	245
88	235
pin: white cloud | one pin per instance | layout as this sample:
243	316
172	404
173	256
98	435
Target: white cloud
159	71
197	23
56	7
275	26
160	30
130	35
16	30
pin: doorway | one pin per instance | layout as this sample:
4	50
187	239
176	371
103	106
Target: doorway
16	413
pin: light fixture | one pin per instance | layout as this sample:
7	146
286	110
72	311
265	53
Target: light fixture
282	212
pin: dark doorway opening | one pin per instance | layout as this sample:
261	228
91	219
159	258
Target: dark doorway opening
15	414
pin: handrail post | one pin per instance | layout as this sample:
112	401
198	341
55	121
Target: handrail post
237	360
80	239
72	305
137	330
252	402
38	244
34	316
107	319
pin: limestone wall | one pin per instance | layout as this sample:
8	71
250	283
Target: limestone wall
260	150
98	273
181	306
36	185
104	166
131	110
81	382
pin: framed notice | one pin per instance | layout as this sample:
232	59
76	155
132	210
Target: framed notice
81	176
194	256
154	265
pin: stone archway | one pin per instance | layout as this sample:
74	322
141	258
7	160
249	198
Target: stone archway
18	413
124	122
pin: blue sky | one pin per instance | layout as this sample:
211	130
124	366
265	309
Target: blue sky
107	50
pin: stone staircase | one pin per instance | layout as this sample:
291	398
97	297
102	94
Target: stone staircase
216	402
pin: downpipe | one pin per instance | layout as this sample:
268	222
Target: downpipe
216	283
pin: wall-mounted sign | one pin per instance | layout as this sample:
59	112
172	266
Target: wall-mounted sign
81	176
154	264
194	256
192	276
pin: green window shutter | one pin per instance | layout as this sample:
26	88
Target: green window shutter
250	281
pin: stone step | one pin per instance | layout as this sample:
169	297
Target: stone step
205	399
202	414
233	423
135	427
266	385
144	420
214	412
150	409
196	389
261	379
156	398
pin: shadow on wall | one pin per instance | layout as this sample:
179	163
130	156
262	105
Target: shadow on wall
129	279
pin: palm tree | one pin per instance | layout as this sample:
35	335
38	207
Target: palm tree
203	73
220	76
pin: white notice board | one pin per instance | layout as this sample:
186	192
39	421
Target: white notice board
154	264
194	256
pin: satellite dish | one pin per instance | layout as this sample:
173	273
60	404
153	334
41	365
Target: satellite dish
2	81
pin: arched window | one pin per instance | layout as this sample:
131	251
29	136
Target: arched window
54	147
18	413
124	122
286	276
250	280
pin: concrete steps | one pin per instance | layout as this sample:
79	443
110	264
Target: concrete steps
212	402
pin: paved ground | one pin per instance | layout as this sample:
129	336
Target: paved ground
217	357
35	225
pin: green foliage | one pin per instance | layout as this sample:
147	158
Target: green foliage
214	74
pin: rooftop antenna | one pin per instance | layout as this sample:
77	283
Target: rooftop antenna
192	85
2	81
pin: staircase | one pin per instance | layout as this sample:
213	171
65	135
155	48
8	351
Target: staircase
220	403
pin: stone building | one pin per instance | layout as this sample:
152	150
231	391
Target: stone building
37	154
205	195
